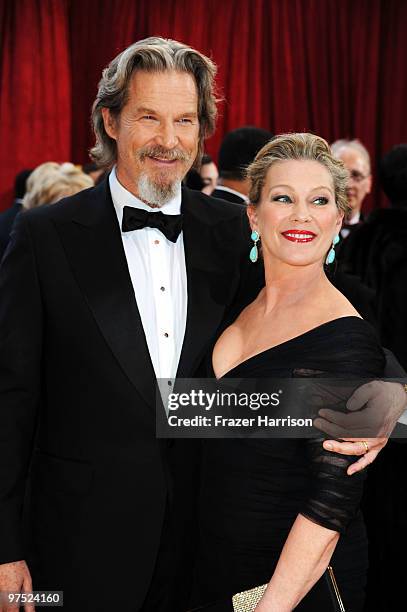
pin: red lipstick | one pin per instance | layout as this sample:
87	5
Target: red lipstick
295	235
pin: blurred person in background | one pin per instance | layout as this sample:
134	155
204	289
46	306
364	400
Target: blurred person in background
209	174
356	159
193	180
51	182
204	178
7	217
96	174
238	149
377	253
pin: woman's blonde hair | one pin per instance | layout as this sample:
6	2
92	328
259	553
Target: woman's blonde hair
51	181
298	146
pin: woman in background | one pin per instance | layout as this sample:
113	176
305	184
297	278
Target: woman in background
51	182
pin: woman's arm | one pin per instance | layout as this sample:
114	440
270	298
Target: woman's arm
304	558
331	504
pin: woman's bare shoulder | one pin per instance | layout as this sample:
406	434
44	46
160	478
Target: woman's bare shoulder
337	305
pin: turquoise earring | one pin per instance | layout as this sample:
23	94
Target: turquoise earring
254	252
330	258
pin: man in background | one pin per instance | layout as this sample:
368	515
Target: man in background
356	159
377	253
209	174
204	178
237	151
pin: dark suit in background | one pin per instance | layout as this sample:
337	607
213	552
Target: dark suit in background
7	218
377	253
6	223
229	196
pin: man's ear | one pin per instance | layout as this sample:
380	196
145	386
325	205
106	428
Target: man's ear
369	184
109	122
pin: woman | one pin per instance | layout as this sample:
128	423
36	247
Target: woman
50	182
280	511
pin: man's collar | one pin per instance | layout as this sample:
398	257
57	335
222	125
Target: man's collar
354	220
122	197
230	190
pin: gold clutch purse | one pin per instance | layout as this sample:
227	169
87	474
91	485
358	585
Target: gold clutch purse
248	600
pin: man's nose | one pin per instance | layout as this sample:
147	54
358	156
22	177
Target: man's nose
167	135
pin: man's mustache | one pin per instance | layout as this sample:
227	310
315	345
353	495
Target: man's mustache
162	153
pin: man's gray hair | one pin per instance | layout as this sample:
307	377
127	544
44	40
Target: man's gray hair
343	143
152	54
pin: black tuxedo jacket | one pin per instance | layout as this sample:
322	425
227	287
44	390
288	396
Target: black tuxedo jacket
84	483
228	196
6	223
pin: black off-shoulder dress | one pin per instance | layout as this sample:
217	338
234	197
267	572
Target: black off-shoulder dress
253	489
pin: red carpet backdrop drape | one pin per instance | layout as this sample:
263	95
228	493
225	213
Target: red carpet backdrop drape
335	67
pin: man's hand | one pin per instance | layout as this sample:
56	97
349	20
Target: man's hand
15	578
383	403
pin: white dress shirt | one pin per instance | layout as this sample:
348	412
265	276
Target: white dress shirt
353	221
158	274
230	190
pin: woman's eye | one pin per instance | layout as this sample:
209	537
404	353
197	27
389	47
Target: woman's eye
282	198
321	201
148	117
184	120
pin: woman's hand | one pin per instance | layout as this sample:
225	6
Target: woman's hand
374	409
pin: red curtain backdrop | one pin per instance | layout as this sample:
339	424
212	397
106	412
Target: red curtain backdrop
334	67
35	87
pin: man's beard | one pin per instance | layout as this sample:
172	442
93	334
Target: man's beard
156	194
160	191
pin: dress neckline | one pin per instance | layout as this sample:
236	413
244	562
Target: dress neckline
289	341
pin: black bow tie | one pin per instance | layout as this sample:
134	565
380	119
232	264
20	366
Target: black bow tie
136	218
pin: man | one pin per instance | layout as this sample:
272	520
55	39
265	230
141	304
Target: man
203	179
356	159
7	217
95	304
377	253
102	294
238	149
209	174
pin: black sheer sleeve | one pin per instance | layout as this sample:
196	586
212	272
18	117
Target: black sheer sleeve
334	497
393	369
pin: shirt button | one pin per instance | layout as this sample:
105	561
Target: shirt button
166	335
156	242
162	288
169	383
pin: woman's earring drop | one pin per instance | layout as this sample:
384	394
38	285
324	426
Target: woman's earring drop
330	258
254	252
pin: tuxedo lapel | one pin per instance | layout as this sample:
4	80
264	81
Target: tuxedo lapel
94	249
208	282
